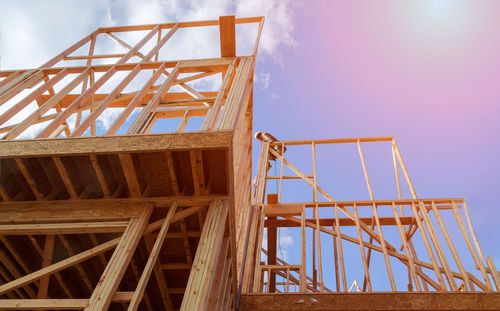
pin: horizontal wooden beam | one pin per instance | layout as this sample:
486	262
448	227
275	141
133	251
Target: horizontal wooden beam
64	228
243	20
115	144
91	209
278	210
438	201
281	267
68	211
288	177
56	304
332	141
43	304
371	301
384	221
78	57
121	101
176	266
65	263
189	65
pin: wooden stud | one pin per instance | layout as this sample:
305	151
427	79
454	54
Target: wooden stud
428	247
477	261
153	256
195	296
362	248
494	272
438	248
303	281
112	275
449	241
473	232
341	252
384	248
159	276
411	265
54	100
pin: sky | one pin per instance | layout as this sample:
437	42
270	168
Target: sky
424	71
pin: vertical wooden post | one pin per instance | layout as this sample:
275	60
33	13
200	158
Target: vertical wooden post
48	250
411	265
316	216
280	190
248	253
370	193
362	248
206	258
336	258
384	249
227	36
272	231
302	278
341	252
260	233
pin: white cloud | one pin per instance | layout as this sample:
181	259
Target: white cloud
32	32
265	79
278	30
107	118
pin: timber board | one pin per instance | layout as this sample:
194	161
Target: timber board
371	301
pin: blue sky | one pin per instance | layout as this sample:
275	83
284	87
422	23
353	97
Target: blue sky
426	74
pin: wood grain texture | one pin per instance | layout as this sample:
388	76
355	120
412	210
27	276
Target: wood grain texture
371	301
102	145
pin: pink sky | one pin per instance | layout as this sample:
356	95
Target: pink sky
425	72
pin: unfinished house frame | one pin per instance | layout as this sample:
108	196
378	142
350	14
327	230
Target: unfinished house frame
123	173
403	253
126	184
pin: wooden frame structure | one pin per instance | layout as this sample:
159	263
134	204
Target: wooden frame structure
430	243
125	184
124	176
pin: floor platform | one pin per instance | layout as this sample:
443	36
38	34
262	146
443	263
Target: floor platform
156	165
371	301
